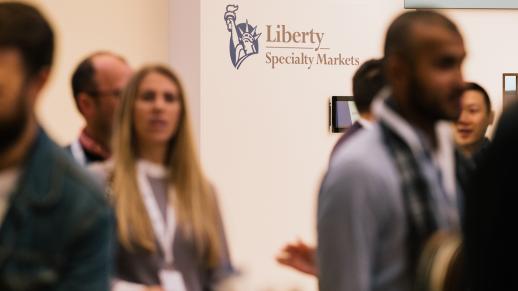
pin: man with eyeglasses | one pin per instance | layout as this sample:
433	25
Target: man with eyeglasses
97	84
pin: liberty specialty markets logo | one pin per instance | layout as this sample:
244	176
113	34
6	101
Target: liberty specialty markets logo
243	37
285	44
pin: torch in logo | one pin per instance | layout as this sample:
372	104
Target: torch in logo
243	37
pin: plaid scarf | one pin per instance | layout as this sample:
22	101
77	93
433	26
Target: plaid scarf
416	195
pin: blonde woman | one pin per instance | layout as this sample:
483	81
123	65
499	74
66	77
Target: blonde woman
169	230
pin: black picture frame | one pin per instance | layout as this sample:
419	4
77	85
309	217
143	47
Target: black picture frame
509	95
333	113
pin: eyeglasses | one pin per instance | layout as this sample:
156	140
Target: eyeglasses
113	93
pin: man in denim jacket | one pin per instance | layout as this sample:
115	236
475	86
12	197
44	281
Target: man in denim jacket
55	226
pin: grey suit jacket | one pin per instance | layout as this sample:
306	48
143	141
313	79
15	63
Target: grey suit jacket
362	226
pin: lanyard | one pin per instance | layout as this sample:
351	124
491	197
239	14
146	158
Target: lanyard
164	231
78	153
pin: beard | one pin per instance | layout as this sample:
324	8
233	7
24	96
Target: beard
427	103
12	128
417	96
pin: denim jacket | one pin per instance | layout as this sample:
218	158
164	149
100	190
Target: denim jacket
57	233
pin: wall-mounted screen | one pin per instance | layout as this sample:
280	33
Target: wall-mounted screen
343	113
510	92
497	4
510	83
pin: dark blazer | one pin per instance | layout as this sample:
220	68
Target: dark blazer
490	225
478	156
90	157
57	231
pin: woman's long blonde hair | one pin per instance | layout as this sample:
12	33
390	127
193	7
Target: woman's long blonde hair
195	203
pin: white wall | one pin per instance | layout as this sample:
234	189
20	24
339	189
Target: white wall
136	29
264	139
461	4
264	131
184	17
492	47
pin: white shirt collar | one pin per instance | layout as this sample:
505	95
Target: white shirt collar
367	124
443	156
396	122
8	180
151	169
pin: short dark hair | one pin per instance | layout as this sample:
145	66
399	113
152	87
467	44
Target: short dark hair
367	82
397	40
476	87
25	29
83	78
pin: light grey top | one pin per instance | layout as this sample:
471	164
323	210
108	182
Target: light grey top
362	226
159	188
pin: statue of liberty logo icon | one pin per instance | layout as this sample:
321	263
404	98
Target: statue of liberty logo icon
243	37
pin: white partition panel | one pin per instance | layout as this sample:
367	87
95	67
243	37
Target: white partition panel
264	115
461	4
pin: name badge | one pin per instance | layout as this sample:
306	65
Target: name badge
172	280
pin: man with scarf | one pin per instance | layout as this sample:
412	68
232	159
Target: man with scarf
392	187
